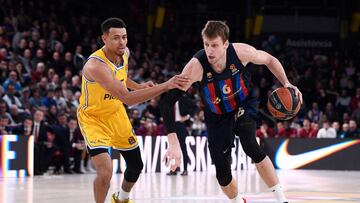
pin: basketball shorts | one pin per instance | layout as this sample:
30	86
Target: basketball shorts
107	131
223	128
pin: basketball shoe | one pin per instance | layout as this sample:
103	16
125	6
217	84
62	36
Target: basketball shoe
115	199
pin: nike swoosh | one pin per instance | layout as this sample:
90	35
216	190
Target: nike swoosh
226	150
284	160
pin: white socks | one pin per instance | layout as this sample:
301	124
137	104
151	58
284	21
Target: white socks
278	192
122	195
237	199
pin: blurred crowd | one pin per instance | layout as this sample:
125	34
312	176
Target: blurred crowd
42	52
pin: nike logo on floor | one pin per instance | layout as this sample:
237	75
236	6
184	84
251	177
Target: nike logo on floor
284	160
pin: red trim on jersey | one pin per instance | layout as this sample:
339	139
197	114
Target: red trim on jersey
213	97
243	87
232	99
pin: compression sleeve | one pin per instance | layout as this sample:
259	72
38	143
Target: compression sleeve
167	103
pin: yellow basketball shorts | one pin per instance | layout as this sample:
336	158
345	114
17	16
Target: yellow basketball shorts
107	131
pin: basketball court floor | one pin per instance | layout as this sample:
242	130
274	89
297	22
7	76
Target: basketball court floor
300	185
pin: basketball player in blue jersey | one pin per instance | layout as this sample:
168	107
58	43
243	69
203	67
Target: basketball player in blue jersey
220	74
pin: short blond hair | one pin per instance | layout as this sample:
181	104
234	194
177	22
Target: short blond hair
215	28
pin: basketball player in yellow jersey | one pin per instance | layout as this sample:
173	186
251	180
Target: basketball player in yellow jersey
102	117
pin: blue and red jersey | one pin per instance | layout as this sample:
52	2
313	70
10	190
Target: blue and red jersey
227	91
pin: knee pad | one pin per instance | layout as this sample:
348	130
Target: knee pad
223	171
133	171
253	150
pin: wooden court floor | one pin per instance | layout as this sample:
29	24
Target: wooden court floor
301	186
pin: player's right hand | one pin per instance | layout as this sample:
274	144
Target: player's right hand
178	81
297	91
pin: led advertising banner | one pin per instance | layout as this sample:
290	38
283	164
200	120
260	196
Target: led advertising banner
324	154
16	155
153	150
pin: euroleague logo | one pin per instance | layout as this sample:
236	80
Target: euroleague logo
131	140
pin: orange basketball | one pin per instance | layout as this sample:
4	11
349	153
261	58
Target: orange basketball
283	103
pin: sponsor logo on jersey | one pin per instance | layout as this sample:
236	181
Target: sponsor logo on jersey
109	97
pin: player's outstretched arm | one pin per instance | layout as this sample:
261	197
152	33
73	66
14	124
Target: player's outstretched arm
137	86
97	71
248	54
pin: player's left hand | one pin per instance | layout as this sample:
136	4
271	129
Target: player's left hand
297	91
147	84
172	156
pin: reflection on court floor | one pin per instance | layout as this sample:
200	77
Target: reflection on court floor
301	186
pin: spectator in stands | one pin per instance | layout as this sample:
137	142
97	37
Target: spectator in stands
4	125
295	123
14	80
68	63
25	98
60	100
345	130
154	110
40	136
356	113
307	131
3	71
135	118
26	61
67	76
355	100
3	111
35	99
287	131
315	114
10	98
77	144
75	100
75	84
198	125
354	132
48	100
265	131
69	100
50	75
48	149
43	86
336	126
17	115
147	127
63	142
346	117
55	80
24	128
56	62
39	72
326	131
52	115
343	102
78	59
39	127
330	113
315	126
23	77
